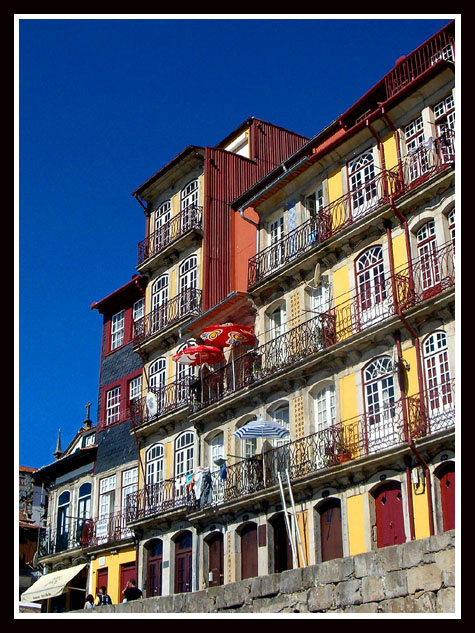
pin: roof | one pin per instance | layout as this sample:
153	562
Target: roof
131	291
66	464
27	469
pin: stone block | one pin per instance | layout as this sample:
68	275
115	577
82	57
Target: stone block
347	593
264	586
236	593
368	564
337	570
320	598
413	553
291	581
424	578
446	600
445	559
372	589
395	584
425	602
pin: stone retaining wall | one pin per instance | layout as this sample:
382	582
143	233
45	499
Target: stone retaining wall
416	577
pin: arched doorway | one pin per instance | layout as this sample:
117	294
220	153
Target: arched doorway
215	559
154	567
249	551
389	514
331	540
183	562
446	476
282	549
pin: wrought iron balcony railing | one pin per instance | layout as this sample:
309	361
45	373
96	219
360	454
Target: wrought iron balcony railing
187	303
439	47
353	313
168	398
188	219
103	530
68	536
416	168
418	416
328	221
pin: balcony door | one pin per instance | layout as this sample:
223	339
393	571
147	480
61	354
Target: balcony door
428	260
63	520
188	283
437	376
159	303
157	379
381	428
189	202
371	287
162	225
362	187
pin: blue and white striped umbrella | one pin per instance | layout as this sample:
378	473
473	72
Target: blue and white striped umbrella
262	428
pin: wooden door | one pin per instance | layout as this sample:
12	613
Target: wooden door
183	563
249	551
216	560
154	569
330	530
389	515
282	548
101	578
447	495
127	572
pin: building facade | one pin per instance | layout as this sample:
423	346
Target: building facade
339	253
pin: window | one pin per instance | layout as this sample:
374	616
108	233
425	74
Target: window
117	329
188	282
414	138
129	484
324	408
444	118
135	388
90	440
138	310
106	505
189	194
157	374
159	301
84	501
371	286
184	454
63	520
277	321
314	202
113	405
437	373
155	464
427	251
378	384
216	451
320	298
451	225
361	184
281	416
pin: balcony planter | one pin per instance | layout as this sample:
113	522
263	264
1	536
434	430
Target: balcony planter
343	457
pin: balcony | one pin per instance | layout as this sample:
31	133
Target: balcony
168	398
415	169
57	540
106	530
169	314
419	416
170	233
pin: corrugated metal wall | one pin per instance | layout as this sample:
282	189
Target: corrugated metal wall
226	176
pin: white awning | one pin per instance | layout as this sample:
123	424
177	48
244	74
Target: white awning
51	585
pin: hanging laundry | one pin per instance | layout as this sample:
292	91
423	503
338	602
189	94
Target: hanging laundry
223	472
207	490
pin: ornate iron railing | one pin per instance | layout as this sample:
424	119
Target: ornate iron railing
70	535
168	398
160	497
187	303
188	219
108	529
331	219
416	417
439	47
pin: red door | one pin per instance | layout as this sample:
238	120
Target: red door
216	560
127	572
447	495
249	551
389	515
330	530
183	566
101	577
154	569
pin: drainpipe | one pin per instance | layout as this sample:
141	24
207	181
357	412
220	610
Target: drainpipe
256	224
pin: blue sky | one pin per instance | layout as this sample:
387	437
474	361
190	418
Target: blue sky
103	104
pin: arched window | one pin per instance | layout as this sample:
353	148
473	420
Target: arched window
63	520
162	225
216	451
378	385
437	374
361	184
324	407
159	303
371	286
281	416
190	194
184	445
277	321
320	298
188	281
427	252
157	374
155	464
84	501
154	567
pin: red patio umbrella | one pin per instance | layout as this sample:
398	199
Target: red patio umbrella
199	355
228	334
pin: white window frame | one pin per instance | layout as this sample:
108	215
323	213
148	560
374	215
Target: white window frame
155	464
113	405
184	454
138	309
324	408
117	329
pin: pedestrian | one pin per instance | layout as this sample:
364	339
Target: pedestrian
102	597
132	592
89	604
